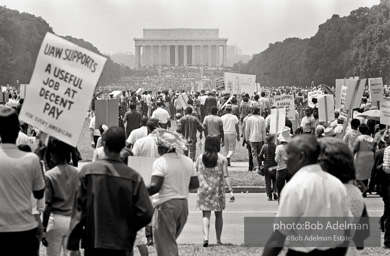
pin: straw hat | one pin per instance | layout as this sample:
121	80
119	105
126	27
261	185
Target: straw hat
285	135
329	132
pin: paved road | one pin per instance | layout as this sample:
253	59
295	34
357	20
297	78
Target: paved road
246	205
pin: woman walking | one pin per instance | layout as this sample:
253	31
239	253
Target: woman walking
213	173
267	154
61	184
281	158
364	157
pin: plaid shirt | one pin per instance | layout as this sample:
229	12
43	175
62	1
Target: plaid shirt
267	154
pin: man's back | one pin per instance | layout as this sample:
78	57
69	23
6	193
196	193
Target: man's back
146	147
213	122
20	175
229	121
115	202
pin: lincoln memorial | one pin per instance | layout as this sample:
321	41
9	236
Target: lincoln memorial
180	47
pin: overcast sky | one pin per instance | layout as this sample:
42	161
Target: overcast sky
111	25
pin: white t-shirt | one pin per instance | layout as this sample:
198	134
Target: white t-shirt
146	147
229	122
312	192
96	132
137	134
177	171
161	114
20	175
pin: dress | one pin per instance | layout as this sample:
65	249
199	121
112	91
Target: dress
364	158
211	191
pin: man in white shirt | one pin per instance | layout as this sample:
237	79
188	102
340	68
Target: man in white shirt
138	133
231	131
311	192
162	115
148	99
94	132
146	146
266	106
255	134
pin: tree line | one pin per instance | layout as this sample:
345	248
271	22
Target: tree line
355	45
21	35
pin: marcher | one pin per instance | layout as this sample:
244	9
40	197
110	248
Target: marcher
267	155
162	115
310	192
132	119
351	135
281	159
61	184
364	158
188	126
231	132
213	125
172	177
138	133
20	177
213	174
98	215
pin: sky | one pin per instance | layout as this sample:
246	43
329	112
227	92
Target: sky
252	25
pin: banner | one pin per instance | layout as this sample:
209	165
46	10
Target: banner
278	119
4	97
339	85
343	96
240	83
311	95
376	89
385	111
142	165
106	112
220	84
354	93
22	92
287	102
267	92
183	99
62	84
326	108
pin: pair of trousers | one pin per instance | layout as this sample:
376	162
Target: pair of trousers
248	146
20	243
105	252
386	214
170	218
230	144
270	180
57	234
281	179
256	148
191	150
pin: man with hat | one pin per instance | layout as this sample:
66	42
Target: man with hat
173	176
231	131
20	176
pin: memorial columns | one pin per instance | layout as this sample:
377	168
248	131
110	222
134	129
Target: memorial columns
137	60
159	55
185	55
209	55
176	55
217	56
193	55
224	56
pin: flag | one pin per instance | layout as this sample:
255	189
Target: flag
220	84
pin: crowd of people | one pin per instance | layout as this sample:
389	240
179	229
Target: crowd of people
311	168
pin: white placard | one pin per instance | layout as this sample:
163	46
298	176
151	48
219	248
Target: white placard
385	111
354	93
339	86
287	102
343	96
376	89
325	108
22	91
142	165
60	89
278	119
239	83
267	92
311	95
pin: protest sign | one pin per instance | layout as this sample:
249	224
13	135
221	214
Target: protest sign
376	89
32	142
3	88
183	99
227	102
385	111
240	83
312	95
22	91
343	96
4	97
266	91
354	93
142	165
278	118
62	84
258	87
106	112
220	84
140	91
325	108
287	102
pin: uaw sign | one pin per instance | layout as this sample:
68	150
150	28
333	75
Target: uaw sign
60	89
287	102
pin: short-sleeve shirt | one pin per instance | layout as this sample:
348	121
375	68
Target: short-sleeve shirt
137	134
146	147
20	175
161	114
229	123
312	192
308	123
213	123
92	125
177	171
